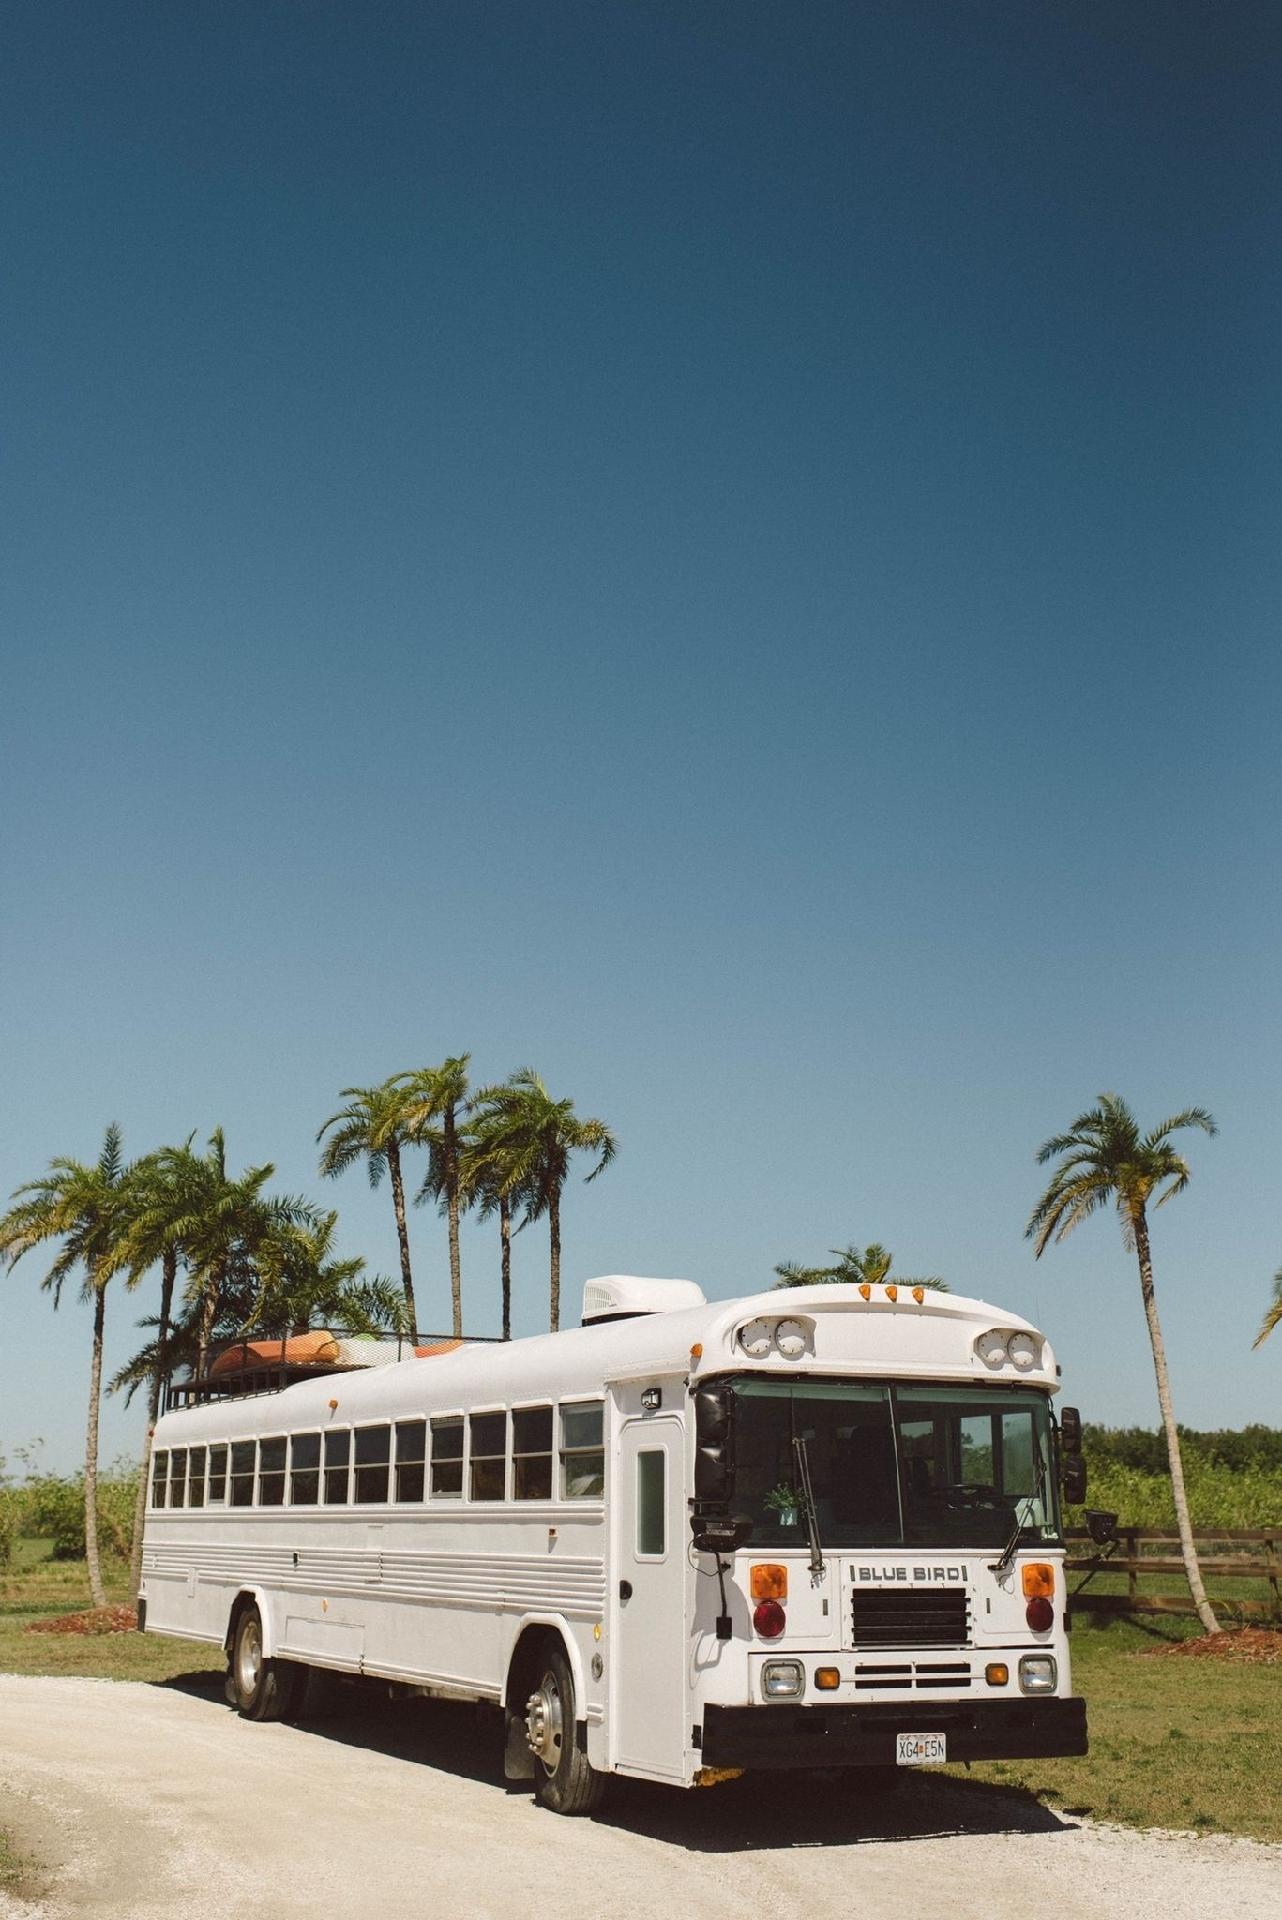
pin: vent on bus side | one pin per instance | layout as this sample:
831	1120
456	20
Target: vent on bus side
622	1296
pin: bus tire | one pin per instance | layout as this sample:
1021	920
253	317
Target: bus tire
564	1781
260	1689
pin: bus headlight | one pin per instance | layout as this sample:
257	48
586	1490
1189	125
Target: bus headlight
1038	1673
783	1680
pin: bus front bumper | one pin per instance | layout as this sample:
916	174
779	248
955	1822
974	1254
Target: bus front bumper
864	1736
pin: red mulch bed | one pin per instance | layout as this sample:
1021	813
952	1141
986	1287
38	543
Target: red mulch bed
1260	1646
97	1620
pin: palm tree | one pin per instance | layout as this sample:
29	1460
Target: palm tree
86	1207
1104	1158
853	1268
544	1133
374	1126
1274	1314
166	1192
435	1098
495	1172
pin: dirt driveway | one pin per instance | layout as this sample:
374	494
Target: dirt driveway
151	1802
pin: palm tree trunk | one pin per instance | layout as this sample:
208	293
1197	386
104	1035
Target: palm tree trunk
402	1234
96	1590
168	1274
1189	1551
209	1302
505	1241
554	1237
451	1202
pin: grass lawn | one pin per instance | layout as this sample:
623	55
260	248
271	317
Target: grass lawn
1174	1742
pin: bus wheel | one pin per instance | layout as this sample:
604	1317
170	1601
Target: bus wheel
563	1780
260	1689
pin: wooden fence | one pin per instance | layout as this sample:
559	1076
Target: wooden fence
1253	1554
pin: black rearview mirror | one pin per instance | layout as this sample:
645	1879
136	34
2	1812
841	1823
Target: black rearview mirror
1101	1526
1073	1478
713	1433
1070	1429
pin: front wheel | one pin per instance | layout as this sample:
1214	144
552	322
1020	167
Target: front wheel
564	1781
258	1688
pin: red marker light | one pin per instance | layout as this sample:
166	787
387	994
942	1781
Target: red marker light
1040	1615
769	1619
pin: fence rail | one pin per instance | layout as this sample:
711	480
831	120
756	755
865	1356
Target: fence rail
1127	1556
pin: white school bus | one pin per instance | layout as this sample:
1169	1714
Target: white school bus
813	1527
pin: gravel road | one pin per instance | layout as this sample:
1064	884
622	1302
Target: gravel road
149	1803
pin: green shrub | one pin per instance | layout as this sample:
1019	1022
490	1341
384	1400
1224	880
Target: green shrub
51	1506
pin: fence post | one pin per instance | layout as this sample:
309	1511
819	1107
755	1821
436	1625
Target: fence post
1132	1577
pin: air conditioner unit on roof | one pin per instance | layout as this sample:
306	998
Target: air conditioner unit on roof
622	1296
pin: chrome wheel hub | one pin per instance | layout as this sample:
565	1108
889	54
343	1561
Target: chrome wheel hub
544	1723
249	1658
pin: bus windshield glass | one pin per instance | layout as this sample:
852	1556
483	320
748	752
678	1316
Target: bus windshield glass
894	1465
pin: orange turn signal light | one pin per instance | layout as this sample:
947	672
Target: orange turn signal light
1039	1581
768	1582
998	1674
827	1679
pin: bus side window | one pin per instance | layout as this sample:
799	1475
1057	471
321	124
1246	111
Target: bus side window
582	1452
338	1447
411	1451
373	1454
217	1474
271	1471
160	1479
488	1458
447	1458
196	1477
304	1469
242	1472
178	1477
532	1453
651	1469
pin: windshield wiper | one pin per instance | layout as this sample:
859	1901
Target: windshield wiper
1003	1566
806	1492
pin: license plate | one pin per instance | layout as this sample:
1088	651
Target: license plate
920	1749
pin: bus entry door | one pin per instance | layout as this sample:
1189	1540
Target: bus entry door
649	1662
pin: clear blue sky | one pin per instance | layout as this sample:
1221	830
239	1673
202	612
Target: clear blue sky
726	551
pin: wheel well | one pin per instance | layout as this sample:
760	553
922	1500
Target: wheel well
241	1604
522	1668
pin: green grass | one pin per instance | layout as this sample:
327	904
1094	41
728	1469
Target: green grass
39	1588
1174	1743
14	1868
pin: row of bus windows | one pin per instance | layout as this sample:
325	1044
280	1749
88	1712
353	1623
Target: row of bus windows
508	1457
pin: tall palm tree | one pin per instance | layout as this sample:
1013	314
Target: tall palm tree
86	1207
227	1220
543	1134
1104	1158
436	1097
374	1126
495	1173
166	1188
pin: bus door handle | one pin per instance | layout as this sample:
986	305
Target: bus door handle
625	1589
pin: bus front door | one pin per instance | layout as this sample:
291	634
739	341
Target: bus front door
649	1663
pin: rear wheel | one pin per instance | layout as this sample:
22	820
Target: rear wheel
261	1689
564	1781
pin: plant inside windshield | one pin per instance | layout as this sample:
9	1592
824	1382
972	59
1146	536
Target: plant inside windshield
894	1465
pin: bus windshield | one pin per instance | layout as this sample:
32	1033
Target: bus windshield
894	1465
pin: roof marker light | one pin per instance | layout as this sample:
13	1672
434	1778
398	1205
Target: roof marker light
919	1294
892	1291
865	1291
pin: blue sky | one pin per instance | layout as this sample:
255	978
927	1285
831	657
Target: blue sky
726	552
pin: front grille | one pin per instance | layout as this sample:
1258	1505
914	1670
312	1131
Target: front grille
912	1617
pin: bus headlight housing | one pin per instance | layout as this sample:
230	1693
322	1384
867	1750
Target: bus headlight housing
1038	1673
783	1680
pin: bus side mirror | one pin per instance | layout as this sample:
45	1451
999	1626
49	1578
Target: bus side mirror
719	1532
1102	1527
713	1434
1073	1476
1070	1430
